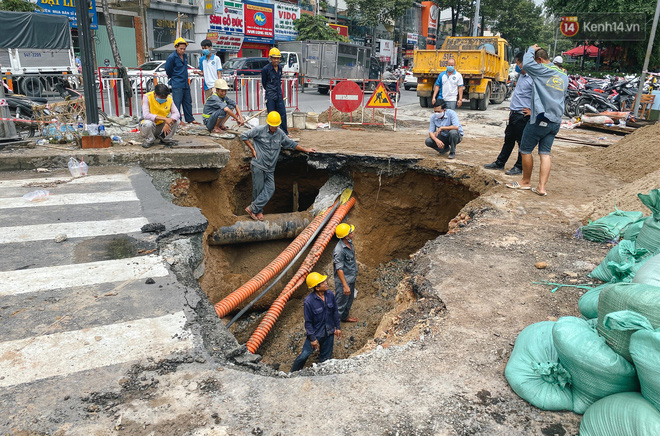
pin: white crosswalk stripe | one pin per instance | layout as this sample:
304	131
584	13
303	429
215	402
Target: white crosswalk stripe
81	274
59	354
108	178
70	199
83	229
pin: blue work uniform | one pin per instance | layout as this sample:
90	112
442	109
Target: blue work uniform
214	108
321	320
343	258
271	80
177	72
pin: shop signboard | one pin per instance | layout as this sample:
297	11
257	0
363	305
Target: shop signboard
430	14
228	18
342	30
285	15
411	39
258	22
68	9
229	43
386	50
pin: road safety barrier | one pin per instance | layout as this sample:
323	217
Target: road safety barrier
250	95
373	94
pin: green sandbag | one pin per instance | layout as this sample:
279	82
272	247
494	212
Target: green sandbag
620	255
636	297
625	414
649	235
588	303
609	227
596	371
631	232
644	349
649	273
534	371
645	352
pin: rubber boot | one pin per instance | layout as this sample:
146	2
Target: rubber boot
452	151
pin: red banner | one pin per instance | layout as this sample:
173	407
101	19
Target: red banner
342	30
259	20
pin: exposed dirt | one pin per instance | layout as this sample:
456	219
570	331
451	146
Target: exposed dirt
363	115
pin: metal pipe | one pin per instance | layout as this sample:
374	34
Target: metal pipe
277	226
288	267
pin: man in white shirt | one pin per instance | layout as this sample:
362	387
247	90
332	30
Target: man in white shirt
209	65
449	86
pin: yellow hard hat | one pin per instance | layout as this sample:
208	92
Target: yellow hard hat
274	119
343	230
314	279
221	84
180	41
274	53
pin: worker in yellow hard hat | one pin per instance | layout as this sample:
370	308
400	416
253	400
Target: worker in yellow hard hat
176	67
268	140
346	269
219	108
271	80
321	321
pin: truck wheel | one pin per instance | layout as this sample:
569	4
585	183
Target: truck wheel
423	102
323	90
501	95
32	86
474	103
483	102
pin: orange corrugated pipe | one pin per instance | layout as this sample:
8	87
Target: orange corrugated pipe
231	301
299	278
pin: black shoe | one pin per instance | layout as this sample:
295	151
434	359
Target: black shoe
513	171
452	155
148	144
494	166
169	144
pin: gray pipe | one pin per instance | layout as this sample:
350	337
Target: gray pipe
276	226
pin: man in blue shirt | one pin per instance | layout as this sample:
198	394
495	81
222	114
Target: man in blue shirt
321	321
519	111
271	80
176	67
445	131
548	93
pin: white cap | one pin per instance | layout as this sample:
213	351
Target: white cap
558	60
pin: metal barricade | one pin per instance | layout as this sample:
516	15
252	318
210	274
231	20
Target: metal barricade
367	86
115	102
250	95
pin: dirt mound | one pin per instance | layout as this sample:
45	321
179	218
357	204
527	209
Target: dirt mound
625	197
633	157
370	116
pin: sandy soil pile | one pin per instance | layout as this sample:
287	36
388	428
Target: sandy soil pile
625	197
633	157
370	116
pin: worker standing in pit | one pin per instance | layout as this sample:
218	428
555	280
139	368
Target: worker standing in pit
321	321
268	141
346	269
271	80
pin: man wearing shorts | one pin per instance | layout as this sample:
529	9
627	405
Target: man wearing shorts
548	93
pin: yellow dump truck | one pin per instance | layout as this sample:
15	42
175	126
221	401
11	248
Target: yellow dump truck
482	60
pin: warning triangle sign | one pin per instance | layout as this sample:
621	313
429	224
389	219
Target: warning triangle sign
380	98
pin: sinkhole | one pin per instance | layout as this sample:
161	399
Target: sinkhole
398	210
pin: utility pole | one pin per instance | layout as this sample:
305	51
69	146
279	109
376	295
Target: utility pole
647	59
554	50
475	30
86	58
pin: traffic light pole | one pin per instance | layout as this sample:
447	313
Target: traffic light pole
86	58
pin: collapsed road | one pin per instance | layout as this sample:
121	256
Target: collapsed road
432	359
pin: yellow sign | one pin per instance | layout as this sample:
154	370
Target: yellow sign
380	98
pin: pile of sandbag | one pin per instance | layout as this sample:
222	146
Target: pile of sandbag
597	366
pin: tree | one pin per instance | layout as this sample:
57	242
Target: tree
636	50
315	27
18	6
372	12
458	8
128	90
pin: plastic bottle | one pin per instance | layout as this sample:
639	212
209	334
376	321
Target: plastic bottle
102	128
81	125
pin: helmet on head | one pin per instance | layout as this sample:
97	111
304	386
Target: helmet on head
180	41
314	279
558	60
221	84
274	53
274	119
343	230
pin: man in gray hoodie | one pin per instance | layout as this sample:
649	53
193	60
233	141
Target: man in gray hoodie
548	94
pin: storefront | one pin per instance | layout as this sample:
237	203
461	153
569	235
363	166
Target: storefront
259	29
162	28
226	28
